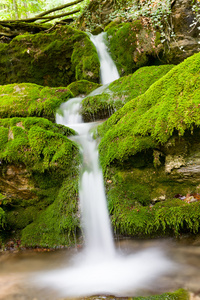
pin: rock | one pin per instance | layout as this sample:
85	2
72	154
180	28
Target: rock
38	177
132	45
120	92
173	162
149	149
51	59
28	99
186	40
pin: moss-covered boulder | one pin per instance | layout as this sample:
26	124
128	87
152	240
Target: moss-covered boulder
82	87
150	153
28	99
132	45
120	92
38	166
49	59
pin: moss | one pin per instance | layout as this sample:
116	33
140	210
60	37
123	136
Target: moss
82	87
49	158
20	217
59	223
49	59
2	218
85	61
180	294
97	107
26	99
38	147
132	46
171	217
121	91
170	105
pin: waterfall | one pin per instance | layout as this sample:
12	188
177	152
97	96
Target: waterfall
108	70
99	268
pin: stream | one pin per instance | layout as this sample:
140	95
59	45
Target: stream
104	266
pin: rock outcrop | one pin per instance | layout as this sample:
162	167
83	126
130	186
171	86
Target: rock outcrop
150	154
49	59
38	176
186	40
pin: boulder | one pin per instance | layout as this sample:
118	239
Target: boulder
38	174
49	59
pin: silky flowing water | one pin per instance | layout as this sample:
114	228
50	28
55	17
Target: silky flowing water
100	268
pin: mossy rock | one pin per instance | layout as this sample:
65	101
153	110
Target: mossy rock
28	99
149	152
49	59
82	87
120	92
142	203
36	159
170	105
59	223
180	294
133	46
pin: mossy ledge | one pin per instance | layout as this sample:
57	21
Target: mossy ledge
29	99
149	152
49	59
38	177
120	92
170	105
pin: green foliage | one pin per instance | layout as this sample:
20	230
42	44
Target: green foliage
17	9
170	104
180	294
2	218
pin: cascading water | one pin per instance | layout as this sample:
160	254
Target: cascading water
99	268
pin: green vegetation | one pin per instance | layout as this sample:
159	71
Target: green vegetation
180	294
2	218
121	91
28	99
170	104
49	59
47	160
59	223
172	217
82	87
132	46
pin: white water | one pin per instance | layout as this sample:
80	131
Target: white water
100	268
108	70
